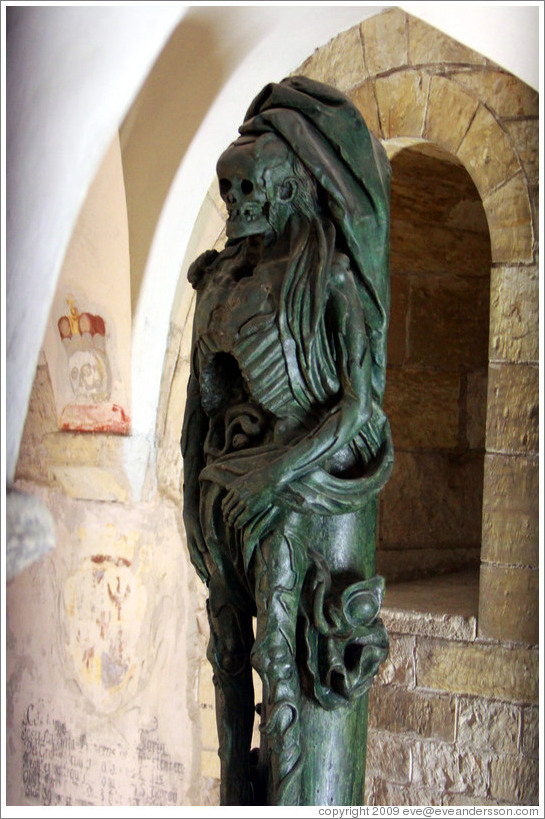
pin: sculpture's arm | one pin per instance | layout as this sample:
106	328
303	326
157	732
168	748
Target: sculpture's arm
251	494
193	435
354	404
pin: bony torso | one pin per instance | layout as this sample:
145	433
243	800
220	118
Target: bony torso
237	290
240	357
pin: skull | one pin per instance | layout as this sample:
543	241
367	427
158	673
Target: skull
257	185
89	376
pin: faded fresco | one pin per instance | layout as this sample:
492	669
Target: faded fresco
91	693
102	607
88	382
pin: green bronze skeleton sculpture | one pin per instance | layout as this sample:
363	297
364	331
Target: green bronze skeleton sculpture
286	445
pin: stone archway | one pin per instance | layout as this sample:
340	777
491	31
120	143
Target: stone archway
411	81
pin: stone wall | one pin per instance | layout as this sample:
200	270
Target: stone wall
453	718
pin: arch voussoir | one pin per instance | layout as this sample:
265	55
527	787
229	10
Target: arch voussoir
402	101
450	112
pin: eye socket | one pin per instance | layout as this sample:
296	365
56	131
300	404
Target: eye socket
246	186
225	186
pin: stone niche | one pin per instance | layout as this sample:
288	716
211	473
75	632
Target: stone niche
430	511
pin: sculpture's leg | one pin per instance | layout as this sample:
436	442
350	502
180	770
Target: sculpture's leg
335	741
279	572
335	756
231	639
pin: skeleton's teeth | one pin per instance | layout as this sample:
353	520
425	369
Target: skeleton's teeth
247	216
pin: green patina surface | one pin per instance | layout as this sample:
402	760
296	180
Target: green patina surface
286	445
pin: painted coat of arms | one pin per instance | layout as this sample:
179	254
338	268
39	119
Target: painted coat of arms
83	336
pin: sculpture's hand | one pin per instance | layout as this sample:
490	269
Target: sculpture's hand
248	497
